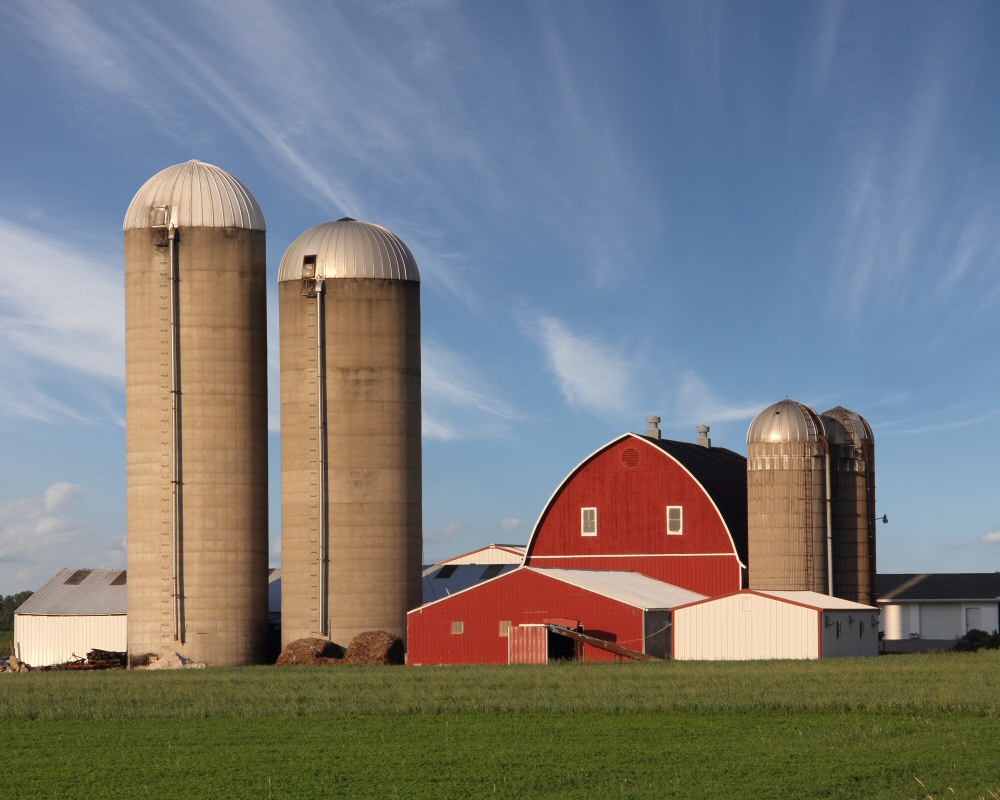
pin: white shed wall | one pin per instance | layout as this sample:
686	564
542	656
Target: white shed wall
41	641
745	626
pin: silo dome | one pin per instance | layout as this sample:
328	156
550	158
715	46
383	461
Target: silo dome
848	427
786	421
198	195
349	249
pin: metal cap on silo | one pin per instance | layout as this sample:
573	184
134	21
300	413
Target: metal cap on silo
786	421
348	249
844	426
194	195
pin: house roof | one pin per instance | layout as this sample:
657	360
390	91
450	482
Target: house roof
630	588
80	592
938	586
723	473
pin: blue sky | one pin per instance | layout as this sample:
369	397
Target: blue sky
689	209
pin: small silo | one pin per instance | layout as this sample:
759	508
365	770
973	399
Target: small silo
852	478
351	508
196	417
787	495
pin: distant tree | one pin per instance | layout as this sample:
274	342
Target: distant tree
8	605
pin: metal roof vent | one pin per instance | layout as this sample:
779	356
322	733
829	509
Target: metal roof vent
653	432
703	439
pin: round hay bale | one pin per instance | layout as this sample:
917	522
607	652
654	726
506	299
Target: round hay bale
308	652
375	647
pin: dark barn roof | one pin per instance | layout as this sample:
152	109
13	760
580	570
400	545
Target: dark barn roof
939	586
723	473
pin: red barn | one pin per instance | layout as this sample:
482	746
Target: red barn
478	625
673	511
658	516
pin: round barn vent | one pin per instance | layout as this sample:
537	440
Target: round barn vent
630	458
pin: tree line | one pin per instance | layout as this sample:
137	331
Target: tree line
8	605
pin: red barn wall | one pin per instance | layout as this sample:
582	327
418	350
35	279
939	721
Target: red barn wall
631	523
521	597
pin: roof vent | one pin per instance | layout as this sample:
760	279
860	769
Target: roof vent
653	432
347	219
703	439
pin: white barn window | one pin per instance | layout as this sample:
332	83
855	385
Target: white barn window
675	520
588	522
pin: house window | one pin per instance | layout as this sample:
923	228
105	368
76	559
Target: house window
505	627
459	627
588	522
675	520
838	628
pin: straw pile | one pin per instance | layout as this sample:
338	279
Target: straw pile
368	647
308	652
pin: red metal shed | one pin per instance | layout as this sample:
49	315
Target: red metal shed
473	626
674	511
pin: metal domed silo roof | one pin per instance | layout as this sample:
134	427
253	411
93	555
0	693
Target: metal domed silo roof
849	427
199	195
350	249
786	421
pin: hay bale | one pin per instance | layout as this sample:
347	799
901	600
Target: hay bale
374	647
308	652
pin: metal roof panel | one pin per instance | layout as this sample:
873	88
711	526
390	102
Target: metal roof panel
99	592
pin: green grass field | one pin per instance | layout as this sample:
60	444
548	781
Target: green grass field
849	728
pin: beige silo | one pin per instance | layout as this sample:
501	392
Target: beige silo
351	510
196	418
852	478
787	493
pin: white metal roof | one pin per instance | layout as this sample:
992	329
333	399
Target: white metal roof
631	588
80	592
197	195
786	421
491	554
350	249
821	602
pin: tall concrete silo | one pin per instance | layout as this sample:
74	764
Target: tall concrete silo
787	494
351	508
196	417
852	477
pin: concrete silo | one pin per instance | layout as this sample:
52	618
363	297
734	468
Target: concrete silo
196	417
351	508
852	478
787	495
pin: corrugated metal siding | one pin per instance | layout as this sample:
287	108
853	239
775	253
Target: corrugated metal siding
631	510
631	588
521	597
494	554
44	640
745	626
94	594
528	644
850	642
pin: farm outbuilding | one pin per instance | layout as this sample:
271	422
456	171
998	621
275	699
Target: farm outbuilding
674	511
624	609
927	612
754	624
75	612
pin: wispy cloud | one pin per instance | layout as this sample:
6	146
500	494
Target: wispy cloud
40	535
509	524
943	425
697	404
991	538
450	531
458	402
61	322
590	373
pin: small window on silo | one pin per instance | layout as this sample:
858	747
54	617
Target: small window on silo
309	267
588	521
675	520
459	627
505	627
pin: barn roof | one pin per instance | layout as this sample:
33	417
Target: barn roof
80	592
723	474
940	586
444	579
631	588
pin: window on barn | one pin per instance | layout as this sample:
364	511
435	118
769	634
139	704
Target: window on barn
458	627
675	520
505	627
838	628
588	522
861	631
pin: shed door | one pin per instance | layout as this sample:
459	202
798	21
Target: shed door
973	619
528	644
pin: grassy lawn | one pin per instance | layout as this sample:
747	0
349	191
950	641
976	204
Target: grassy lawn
849	728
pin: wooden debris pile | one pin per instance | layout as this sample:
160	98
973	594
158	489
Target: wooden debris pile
14	664
368	647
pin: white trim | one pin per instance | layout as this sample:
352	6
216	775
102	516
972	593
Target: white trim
635	555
